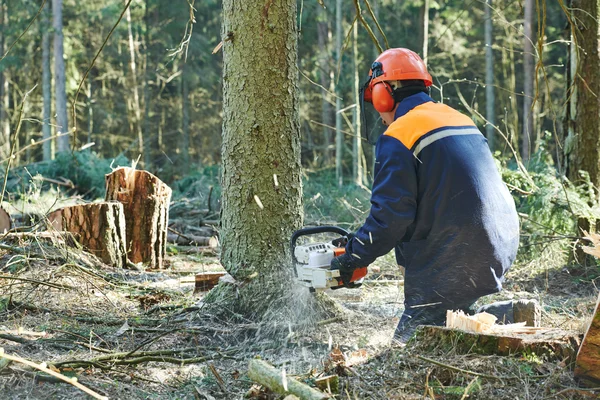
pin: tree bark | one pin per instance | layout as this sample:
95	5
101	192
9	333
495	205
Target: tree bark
490	101
271	377
136	92
339	136
4	117
62	122
528	72
425	30
46	85
261	182
325	81
145	200
98	227
357	152
185	121
587	367
585	155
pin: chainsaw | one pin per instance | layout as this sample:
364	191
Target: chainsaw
312	260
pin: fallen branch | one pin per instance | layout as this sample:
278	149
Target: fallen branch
42	367
261	372
52	285
480	375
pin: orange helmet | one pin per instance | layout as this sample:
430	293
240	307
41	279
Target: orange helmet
393	65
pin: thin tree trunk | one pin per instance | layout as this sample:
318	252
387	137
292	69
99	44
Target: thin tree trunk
339	136
325	81
46	84
490	100
261	182
90	97
146	122
357	167
528	67
60	94
425	30
136	94
185	121
4	119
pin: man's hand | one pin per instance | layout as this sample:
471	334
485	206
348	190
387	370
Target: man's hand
343	263
342	241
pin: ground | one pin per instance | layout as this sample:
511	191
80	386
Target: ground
130	334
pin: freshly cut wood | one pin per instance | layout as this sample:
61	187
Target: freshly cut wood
556	344
587	367
205	281
190	240
98	227
5	223
276	380
145	200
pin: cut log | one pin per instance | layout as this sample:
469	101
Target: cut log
205	281
555	344
191	240
145	200
261	372
587	367
5	223
98	227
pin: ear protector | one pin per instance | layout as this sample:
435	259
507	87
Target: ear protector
379	93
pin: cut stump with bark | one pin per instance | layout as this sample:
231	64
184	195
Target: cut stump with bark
587	366
555	344
98	227
145	200
5	223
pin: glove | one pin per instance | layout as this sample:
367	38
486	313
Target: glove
342	241
343	263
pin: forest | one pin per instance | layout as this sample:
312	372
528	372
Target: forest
159	159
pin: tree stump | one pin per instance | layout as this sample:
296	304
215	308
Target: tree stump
145	200
587	367
98	227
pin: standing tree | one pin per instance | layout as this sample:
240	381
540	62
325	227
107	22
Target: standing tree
528	71
490	104
59	77
46	84
262	189
339	137
586	153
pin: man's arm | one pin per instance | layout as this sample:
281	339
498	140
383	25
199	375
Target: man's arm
393	203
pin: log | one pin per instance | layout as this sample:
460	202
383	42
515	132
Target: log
192	240
587	365
98	227
261	372
556	344
145	200
205	281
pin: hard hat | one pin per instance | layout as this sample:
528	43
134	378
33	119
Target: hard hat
392	65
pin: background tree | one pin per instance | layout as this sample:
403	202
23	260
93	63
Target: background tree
62	122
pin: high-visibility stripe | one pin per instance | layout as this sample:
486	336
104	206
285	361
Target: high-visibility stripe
423	119
441	135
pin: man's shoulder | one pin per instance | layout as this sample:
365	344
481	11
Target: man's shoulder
424	119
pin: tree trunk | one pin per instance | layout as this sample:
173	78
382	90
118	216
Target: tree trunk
145	201
185	121
60	93
528	71
46	84
489	79
136	92
357	166
425	30
261	185
4	119
146	123
98	227
339	136
586	153
325	81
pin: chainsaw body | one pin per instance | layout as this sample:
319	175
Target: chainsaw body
312	260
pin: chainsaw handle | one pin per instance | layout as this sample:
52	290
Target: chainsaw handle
314	230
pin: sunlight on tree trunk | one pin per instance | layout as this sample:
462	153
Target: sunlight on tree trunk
528	71
325	81
357	152
60	94
136	93
4	121
339	136
489	78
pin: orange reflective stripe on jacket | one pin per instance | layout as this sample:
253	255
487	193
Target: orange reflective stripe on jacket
429	118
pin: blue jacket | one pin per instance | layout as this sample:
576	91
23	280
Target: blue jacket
439	200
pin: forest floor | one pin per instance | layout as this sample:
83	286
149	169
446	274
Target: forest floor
130	334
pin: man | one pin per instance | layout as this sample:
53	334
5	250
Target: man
437	199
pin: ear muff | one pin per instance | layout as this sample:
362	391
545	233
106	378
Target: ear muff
382	97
